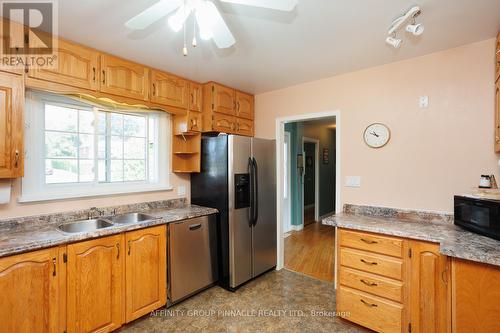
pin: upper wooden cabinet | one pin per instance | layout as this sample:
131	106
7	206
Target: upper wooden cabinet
497	53
475	297
195	97
146	267
124	78
497	116
77	66
227	110
222	99
11	125
29	285
169	90
244	105
429	286
95	285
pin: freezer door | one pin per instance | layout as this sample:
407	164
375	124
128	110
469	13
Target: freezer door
240	230
264	229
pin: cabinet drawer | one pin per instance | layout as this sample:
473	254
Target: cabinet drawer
370	311
371	283
372	263
374	243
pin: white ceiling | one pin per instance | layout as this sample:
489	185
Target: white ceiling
273	50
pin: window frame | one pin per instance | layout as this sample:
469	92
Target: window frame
34	187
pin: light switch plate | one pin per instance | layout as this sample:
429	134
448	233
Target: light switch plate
181	190
353	181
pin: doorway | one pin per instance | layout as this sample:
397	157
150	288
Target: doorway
310	186
307	174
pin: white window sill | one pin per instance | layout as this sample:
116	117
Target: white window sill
63	196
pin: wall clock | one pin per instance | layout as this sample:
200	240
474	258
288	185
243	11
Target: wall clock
377	135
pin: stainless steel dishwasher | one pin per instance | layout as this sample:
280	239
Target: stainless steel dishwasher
192	256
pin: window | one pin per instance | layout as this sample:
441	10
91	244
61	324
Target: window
77	149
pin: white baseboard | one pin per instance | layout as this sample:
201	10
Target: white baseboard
296	227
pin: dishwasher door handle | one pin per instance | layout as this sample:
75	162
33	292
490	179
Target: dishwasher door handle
195	226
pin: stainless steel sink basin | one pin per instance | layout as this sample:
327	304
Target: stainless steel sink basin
130	218
84	226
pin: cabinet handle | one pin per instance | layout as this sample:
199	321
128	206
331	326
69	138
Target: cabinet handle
444	276
129	246
118	252
103	76
192	99
154	89
369	284
238	106
53	266
195	226
372	263
368	304
497	139
93	70
16	158
368	241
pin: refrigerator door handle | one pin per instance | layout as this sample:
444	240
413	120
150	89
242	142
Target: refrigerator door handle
256	192
252	203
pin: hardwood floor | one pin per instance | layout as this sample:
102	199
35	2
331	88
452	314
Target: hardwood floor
311	251
309	216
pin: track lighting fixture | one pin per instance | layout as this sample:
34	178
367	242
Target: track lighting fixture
413	27
394	42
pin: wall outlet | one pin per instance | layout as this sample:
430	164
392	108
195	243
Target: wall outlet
181	190
353	181
423	102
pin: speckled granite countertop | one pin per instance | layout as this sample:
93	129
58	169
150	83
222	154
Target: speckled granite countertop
33	235
454	241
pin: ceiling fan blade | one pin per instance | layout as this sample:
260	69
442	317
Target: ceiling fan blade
212	25
284	5
152	14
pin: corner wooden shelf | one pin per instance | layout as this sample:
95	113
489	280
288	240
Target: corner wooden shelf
186	152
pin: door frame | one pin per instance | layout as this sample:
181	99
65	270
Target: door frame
316	178
288	205
279	134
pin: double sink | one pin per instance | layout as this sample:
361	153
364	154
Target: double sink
101	223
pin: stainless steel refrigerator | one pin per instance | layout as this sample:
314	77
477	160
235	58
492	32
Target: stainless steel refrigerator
238	177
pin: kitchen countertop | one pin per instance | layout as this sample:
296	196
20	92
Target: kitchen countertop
454	241
33	236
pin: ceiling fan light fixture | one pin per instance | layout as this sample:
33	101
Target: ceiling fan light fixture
204	20
176	21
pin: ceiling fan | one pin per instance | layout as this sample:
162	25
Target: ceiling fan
207	17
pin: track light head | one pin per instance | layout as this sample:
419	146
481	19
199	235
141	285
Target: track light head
415	29
394	42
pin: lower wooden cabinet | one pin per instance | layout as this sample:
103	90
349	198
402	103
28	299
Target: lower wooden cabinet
95	272
475	297
145	271
30	293
391	284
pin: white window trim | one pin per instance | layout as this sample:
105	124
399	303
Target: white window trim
34	188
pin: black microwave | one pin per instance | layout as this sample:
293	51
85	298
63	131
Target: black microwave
481	216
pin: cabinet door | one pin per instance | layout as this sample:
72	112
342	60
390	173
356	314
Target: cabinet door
475	297
195	96
146	271
124	78
169	90
223	123
244	126
497	116
95	289
223	99
29	285
11	125
16	39
77	66
244	105
497	52
428	288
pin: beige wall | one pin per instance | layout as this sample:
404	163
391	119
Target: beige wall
434	153
15	209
